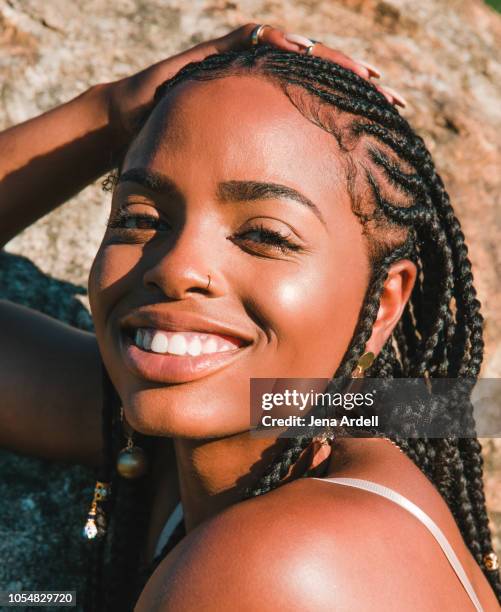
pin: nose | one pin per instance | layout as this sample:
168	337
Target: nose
184	268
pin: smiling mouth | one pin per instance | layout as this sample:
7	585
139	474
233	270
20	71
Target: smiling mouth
181	342
177	356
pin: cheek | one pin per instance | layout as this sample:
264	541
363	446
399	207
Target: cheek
114	270
114	273
313	311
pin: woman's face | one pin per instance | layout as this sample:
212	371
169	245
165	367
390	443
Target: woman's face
226	179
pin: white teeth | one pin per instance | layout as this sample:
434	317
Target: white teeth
139	338
160	343
210	346
190	343
147	338
195	347
178	345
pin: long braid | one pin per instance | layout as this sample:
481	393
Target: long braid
410	215
134	501
93	596
280	467
471	450
106	589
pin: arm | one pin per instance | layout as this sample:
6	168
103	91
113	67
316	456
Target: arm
50	381
47	160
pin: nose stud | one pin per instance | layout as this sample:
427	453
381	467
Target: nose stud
208	284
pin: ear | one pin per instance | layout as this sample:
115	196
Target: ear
396	292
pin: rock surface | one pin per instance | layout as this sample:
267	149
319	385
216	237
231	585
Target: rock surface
44	504
442	55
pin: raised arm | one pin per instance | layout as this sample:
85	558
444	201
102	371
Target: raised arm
47	160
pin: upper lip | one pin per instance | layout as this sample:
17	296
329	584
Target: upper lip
187	321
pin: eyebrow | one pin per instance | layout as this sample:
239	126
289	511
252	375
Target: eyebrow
246	191
155	181
229	191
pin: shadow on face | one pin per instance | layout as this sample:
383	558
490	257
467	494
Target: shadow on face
231	223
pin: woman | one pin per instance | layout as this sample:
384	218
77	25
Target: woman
273	217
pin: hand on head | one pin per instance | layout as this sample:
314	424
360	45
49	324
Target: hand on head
130	97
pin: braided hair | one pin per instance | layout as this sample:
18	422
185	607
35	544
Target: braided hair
405	212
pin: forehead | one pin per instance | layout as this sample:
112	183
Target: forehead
240	128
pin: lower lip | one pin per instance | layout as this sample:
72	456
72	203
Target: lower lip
166	368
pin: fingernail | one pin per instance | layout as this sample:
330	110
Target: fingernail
375	72
386	95
298	39
399	99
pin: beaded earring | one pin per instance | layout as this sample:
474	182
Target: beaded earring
96	524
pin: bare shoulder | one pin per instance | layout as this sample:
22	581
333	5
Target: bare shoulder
308	545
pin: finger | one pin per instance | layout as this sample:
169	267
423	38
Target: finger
374	72
278	38
299	39
391	95
385	93
235	40
241	38
397	97
332	55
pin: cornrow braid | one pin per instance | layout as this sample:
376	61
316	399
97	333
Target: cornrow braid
405	213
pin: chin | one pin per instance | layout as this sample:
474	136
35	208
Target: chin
180	412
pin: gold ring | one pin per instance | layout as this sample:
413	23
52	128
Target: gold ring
256	33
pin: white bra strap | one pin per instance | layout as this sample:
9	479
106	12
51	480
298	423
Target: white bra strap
168	528
435	530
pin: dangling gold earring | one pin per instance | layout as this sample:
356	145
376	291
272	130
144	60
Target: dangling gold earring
321	447
365	362
131	461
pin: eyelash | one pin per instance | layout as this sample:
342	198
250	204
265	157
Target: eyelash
121	217
270	238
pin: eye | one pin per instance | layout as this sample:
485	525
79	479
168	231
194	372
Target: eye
262	238
130	222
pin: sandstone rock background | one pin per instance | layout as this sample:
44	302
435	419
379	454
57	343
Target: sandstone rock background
442	55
